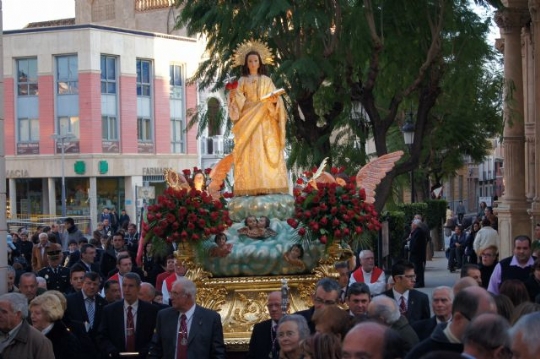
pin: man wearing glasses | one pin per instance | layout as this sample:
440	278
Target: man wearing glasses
263	342
467	304
186	328
326	293
413	304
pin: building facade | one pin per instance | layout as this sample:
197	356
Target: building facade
108	89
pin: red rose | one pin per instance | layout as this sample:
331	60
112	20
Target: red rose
358	230
186	172
337	233
158	215
150	217
231	85
334	171
292	222
323	221
207	171
323	239
302	231
346	231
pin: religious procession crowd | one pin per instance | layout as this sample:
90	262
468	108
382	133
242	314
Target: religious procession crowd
94	302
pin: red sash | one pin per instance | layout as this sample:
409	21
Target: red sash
170	280
359	275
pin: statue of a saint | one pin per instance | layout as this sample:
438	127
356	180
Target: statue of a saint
258	128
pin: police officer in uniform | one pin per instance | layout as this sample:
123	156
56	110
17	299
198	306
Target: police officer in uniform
57	277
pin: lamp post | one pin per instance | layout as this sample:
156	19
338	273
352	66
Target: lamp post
408	137
62	138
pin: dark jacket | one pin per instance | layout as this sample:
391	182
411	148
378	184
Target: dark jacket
437	341
64	342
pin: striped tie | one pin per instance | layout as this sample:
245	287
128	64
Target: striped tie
90	310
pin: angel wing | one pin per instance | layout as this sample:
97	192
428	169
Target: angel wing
371	174
175	180
320	169
218	175
321	176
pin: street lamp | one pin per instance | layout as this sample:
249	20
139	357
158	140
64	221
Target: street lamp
408	137
62	138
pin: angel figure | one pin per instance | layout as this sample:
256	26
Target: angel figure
294	256
222	248
252	229
258	128
264	224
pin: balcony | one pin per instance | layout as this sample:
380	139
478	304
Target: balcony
145	5
216	146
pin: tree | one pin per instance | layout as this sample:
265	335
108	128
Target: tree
379	58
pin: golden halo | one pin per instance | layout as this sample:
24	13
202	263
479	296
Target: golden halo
239	56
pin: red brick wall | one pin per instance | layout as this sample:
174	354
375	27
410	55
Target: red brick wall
162	116
9	116
191	135
90	112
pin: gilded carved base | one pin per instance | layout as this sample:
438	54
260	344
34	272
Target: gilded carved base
241	301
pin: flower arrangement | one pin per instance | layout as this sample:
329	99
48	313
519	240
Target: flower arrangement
185	215
333	210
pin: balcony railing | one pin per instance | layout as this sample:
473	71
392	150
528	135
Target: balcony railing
145	5
216	146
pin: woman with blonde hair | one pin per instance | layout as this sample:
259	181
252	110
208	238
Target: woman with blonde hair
46	312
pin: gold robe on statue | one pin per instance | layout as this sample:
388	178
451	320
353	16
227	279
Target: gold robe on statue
259	139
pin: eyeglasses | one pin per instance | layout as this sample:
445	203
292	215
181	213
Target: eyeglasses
408	276
324	302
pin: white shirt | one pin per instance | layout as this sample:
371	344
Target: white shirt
374	288
397	297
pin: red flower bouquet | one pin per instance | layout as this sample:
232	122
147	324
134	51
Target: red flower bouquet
332	211
185	215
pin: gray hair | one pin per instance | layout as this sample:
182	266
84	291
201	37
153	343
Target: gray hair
43	235
41	280
487	332
188	286
150	287
528	326
364	252
133	276
384	308
449	291
10	270
301	323
17	301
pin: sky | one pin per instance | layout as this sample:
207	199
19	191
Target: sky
18	13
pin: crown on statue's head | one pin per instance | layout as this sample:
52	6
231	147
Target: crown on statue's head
247	46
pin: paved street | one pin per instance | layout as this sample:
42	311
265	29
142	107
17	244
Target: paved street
436	274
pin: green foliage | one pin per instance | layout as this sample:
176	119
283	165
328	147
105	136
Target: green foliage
436	213
384	57
410	209
396	226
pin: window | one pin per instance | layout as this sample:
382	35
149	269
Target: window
27	77
176	81
108	74
144	129
144	68
28	130
68	124
177	135
67	75
109	129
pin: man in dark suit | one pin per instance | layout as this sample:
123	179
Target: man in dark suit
187	331
441	304
147	293
108	258
326	293
417	251
127	325
263	342
83	314
414	305
88	255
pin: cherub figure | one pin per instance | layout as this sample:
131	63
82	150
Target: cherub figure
251	229
199	181
264	224
222	248
294	256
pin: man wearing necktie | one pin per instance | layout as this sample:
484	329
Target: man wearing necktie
83	314
263	342
127	325
186	330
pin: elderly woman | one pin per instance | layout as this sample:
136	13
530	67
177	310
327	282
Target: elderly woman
46	312
292	329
